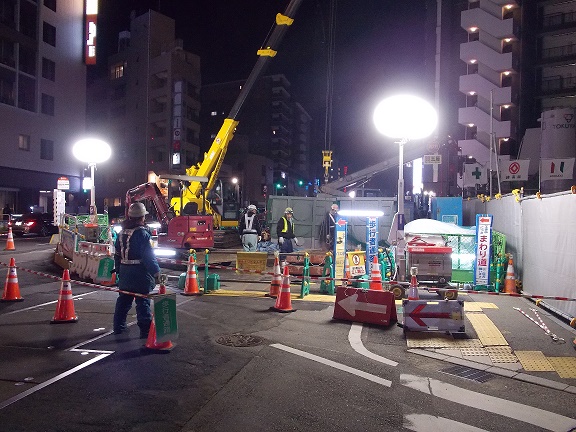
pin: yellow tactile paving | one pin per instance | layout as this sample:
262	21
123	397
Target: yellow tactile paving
501	354
487	305
472	307
564	366
534	361
426	340
474	351
487	332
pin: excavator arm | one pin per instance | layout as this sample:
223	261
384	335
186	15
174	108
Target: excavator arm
149	191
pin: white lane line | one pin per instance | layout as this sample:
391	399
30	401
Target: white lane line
355	339
494	405
76	297
50	381
426	423
335	365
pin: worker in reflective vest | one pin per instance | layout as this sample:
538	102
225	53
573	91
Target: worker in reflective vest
250	230
285	233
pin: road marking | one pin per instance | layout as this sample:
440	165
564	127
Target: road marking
335	365
76	297
425	423
355	339
494	405
50	381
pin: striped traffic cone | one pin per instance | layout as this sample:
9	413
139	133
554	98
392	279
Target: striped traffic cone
347	275
10	241
151	342
191	284
11	287
375	275
284	302
65	307
276	279
510	281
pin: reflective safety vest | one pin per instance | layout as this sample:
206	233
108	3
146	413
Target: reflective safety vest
248	221
125	249
285	229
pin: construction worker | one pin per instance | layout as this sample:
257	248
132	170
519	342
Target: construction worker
285	233
250	230
137	269
330	225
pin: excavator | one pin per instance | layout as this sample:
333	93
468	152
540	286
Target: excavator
190	220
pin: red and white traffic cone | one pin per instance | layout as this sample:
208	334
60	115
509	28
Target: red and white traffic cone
11	287
284	302
191	284
65	307
276	282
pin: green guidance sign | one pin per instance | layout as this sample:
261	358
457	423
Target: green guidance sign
165	318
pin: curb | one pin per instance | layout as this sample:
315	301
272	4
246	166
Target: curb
520	376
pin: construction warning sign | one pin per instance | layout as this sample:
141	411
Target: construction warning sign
357	262
423	315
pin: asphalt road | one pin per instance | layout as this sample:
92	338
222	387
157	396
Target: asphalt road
303	371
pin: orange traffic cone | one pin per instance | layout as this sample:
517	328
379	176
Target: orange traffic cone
65	307
510	281
151	342
276	279
10	241
284	302
347	274
191	284
375	275
11	288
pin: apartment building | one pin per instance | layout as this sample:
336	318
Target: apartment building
147	107
520	77
42	100
275	125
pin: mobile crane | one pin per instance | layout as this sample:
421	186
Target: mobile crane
182	229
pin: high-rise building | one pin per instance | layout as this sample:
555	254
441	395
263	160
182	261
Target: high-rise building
274	124
147	107
42	100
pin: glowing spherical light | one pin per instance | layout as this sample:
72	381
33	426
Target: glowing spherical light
405	116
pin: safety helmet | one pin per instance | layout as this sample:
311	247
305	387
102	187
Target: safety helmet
252	207
288	210
137	210
334	207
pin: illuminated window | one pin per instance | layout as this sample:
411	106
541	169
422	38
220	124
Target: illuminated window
24	142
117	71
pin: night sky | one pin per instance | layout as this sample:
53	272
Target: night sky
379	50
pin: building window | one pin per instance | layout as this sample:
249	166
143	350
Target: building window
7	52
117	71
7	86
28	17
49	34
27	60
50	4
27	93
46	149
47	104
48	69
24	142
8	13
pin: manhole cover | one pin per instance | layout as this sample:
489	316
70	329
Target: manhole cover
468	373
240	340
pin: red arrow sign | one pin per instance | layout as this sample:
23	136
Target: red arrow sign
341	222
482	219
351	305
417	315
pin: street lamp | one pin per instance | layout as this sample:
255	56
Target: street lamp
92	151
403	117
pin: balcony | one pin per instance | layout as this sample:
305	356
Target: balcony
491	24
559	21
482	87
475	149
480	53
558	54
481	119
558	86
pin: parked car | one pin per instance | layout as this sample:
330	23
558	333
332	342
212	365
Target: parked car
41	224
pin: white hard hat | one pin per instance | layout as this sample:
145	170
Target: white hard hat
251	207
288	210
137	210
334	207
